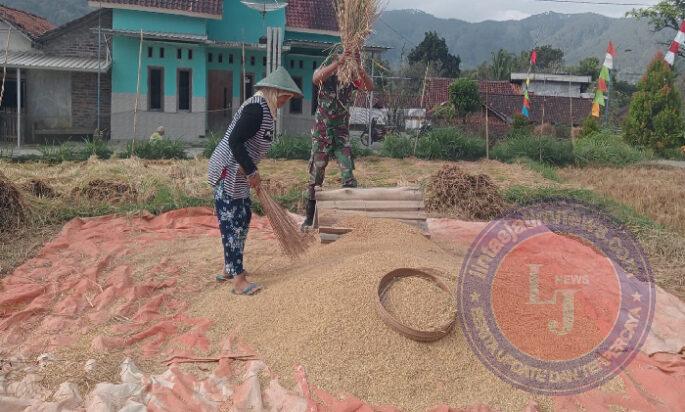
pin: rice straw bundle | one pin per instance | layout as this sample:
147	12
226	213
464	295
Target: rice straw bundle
355	20
293	242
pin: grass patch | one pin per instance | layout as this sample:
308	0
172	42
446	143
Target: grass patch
605	149
166	149
543	149
397	146
547	171
624	214
291	148
450	144
210	144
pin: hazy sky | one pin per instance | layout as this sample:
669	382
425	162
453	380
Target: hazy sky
479	10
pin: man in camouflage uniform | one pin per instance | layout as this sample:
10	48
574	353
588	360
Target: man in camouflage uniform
331	134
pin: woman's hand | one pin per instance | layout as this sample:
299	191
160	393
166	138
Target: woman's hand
255	180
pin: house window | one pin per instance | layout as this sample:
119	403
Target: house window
155	89
315	99
161	52
190	54
292	64
264	61
210	57
296	104
150	52
221	57
301	64
313	65
252	61
179	54
185	79
230	59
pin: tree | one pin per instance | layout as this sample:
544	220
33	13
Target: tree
502	65
465	97
655	119
589	66
433	50
549	58
665	15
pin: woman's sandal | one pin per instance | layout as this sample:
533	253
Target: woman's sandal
223	278
250	290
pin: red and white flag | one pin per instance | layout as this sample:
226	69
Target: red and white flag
609	60
676	45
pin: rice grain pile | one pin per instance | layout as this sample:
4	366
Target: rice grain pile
419	304
453	191
355	19
293	241
320	312
12	207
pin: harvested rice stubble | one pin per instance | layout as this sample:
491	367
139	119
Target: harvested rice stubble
320	312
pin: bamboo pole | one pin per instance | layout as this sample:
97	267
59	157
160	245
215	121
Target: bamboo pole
135	109
423	95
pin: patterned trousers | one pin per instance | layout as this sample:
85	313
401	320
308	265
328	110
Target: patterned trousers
234	222
323	149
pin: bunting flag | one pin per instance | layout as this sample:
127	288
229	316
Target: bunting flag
525	111
603	81
675	45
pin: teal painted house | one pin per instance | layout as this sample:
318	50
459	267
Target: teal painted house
199	59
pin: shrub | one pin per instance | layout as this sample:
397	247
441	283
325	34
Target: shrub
655	118
590	126
540	149
155	150
359	150
674	154
450	144
211	143
98	147
605	148
291	148
397	146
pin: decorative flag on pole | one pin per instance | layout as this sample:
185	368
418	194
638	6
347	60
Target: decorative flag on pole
525	111
603	81
676	45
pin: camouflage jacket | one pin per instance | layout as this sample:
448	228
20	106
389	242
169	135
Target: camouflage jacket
334	101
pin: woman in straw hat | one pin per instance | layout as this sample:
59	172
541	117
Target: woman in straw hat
233	170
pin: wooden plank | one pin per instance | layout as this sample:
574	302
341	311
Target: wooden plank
334	230
372	205
328	238
400	193
415	215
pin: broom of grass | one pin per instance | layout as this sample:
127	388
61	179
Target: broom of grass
293	242
355	20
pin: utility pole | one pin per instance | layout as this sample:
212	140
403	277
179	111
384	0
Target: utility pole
373	72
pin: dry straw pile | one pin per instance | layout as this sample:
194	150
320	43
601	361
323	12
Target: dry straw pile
13	210
355	19
293	242
453	191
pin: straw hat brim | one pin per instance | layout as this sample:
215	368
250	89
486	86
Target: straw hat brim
281	80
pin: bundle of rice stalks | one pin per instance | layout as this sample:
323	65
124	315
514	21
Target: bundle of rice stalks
12	208
355	19
293	242
104	191
453	191
39	188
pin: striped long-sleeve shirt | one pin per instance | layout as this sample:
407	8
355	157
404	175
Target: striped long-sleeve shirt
238	150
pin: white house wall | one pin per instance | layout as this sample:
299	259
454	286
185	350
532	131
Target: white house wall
18	41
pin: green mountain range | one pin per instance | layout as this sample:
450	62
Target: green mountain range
578	35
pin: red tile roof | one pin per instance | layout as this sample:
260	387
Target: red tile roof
437	89
312	15
207	7
31	25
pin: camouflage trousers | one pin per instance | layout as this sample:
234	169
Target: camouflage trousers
323	149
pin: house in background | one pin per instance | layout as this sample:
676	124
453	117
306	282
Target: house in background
51	88
554	85
202	58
